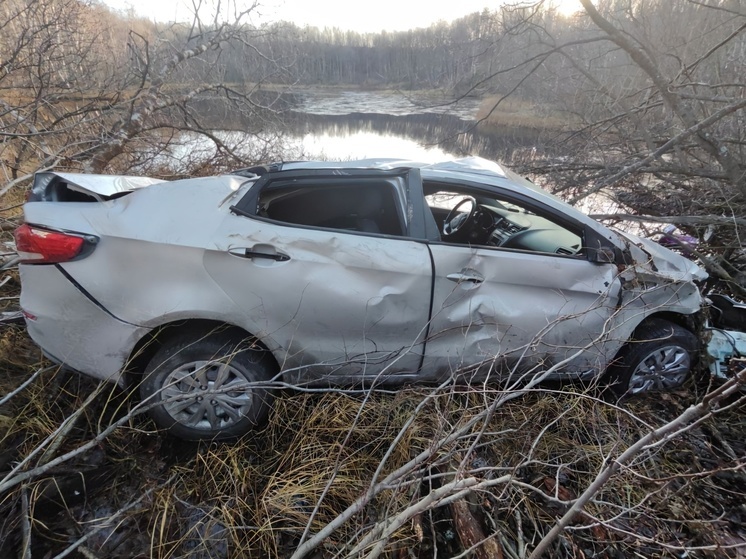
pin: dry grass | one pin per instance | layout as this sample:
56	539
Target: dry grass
496	113
140	494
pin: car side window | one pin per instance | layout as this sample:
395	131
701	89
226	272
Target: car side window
474	218
370	207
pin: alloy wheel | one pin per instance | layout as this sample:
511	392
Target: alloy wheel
665	367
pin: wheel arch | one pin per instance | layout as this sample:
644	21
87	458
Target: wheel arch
692	322
150	343
670	331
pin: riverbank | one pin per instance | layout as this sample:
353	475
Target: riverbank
497	112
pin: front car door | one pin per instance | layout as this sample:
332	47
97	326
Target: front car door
515	292
323	268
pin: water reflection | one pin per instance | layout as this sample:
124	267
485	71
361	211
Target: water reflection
421	137
320	124
365	145
429	132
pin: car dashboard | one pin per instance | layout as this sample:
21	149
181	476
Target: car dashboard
507	228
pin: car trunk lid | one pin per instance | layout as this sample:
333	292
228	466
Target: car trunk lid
76	187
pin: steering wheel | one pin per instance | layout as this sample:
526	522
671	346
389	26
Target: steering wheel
456	221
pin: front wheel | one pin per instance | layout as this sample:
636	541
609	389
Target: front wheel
660	356
208	387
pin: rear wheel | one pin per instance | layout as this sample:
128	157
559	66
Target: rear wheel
208	387
660	357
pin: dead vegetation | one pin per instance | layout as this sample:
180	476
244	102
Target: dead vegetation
501	112
426	472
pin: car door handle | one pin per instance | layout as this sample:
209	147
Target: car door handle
466	276
250	253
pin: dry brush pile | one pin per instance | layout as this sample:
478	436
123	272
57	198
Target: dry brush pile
429	472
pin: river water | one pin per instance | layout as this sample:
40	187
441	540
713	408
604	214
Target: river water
320	101
344	125
362	124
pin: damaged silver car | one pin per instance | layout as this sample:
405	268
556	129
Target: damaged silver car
209	292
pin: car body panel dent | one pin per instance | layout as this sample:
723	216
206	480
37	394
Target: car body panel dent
342	305
530	309
645	294
99	345
654	259
51	186
192	208
658	280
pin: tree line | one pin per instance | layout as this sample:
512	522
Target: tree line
652	92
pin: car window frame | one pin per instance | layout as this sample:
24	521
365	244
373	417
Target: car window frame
406	193
464	187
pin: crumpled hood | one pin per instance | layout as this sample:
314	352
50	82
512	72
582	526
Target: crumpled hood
664	262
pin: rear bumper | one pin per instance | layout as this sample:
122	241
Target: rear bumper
71	328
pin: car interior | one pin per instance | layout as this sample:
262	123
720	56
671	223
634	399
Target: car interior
462	216
466	216
368	208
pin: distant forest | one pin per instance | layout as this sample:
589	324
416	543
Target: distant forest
530	51
446	55
442	55
653	92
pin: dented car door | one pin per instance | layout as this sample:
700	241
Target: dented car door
517	288
338	292
503	311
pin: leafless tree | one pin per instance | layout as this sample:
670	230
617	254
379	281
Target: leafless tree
80	92
656	94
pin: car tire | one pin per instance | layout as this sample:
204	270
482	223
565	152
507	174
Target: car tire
660	356
189	378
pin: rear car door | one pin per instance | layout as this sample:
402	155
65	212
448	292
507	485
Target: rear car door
322	266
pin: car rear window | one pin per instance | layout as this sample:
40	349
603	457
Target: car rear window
367	208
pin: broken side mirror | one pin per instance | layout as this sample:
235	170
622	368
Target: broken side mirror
603	255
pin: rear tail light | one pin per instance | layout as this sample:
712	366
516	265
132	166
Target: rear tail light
42	246
29	316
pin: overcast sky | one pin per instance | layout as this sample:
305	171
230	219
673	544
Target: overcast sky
368	15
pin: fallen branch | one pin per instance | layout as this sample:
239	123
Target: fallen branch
679	219
706	408
471	534
25	383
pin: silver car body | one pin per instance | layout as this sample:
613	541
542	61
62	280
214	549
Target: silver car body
335	305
